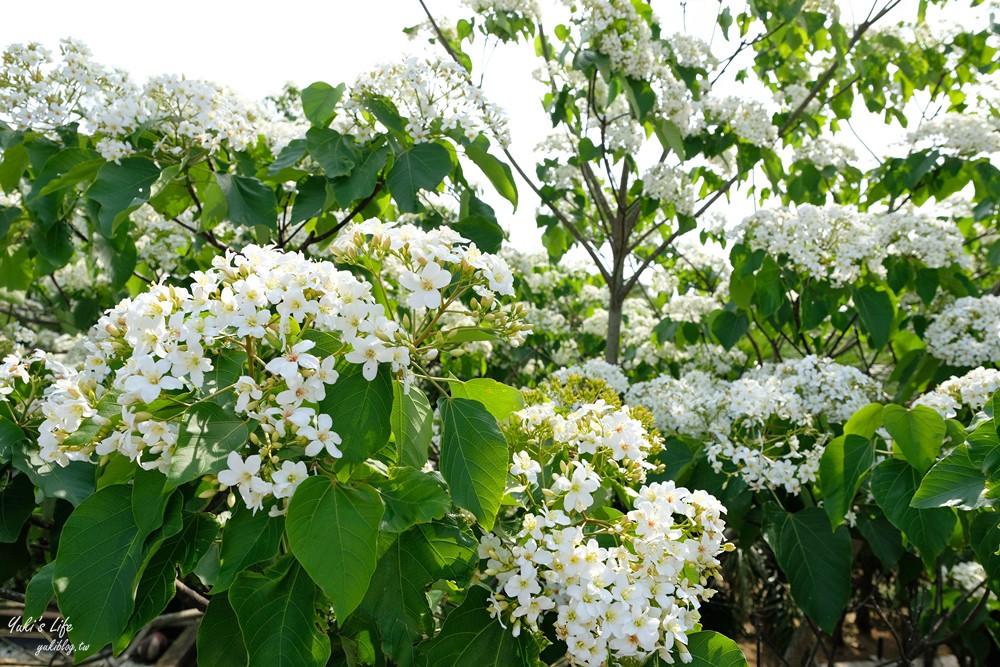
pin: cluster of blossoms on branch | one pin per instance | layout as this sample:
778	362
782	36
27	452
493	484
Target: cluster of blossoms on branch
262	333
433	96
966	332
972	390
839	244
623	585
770	425
41	92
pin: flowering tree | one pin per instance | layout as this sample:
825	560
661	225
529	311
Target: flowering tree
283	341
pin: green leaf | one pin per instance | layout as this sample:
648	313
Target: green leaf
954	481
333	531
710	649
412	496
288	157
412	425
670	137
363	178
844	462
471	636
276	612
120	189
319	100
500	399
422	167
918	433
207	436
361	410
884	539
336	153
39	592
865	421
487	234
97	564
247	538
816	562
15	161
397	600
984	537
220	641
474	457
17	501
74	482
876	312
729	327
249	201
496	171
84	171
893	484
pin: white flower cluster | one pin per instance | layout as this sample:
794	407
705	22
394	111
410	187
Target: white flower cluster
596	369
769	423
616	585
526	8
39	92
165	343
670	185
188	112
435	270
824	152
969	576
614	28
637	597
972	390
748	118
965	134
432	96
838	244
966	332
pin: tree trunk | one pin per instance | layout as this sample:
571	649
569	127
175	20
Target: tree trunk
614	325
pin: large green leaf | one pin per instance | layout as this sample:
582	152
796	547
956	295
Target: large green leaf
954	481
361	410
397	601
319	100
918	433
710	649
498	172
885	540
422	167
412	496
866	421
39	592
816	562
876	312
500	399
336	153
474	457
844	462
412	425
17	501
98	562
984	536
207	436
276	612
247	538
120	189
249	201
361	182
471	636
220	640
333	531
894	484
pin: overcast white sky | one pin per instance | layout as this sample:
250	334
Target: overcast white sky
256	46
